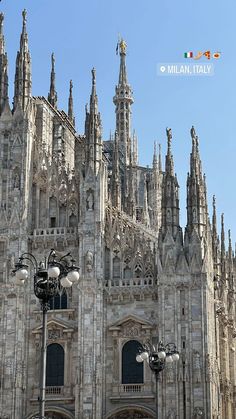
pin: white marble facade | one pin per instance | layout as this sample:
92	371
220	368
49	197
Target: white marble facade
141	276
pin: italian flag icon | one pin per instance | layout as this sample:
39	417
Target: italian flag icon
188	54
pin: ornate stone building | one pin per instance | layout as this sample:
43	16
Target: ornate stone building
142	277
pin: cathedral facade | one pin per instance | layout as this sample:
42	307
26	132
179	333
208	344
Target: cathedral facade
142	278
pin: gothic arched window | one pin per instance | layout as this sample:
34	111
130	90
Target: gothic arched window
59	302
127	273
138	271
53	211
132	371
116	267
72	220
55	365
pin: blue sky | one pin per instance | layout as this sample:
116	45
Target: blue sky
83	34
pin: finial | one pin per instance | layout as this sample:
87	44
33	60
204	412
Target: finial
24	15
197	142
70	104
122	46
71	87
93	76
222	221
53	61
155	148
169	137
193	133
214	201
1	21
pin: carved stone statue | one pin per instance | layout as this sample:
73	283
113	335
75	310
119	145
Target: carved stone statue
16	181
198	412
90	200
89	261
193	133
171	414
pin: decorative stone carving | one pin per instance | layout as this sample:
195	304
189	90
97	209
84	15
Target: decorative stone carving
90	200
54	334
131	329
89	261
169	373
198	413
63	193
197	368
16	181
171	414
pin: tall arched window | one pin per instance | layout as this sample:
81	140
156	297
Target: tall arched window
55	365
59	302
132	371
116	267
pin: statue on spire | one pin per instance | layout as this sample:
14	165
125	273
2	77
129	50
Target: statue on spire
53	61
1	20
193	133
93	76
169	137
122	46
24	15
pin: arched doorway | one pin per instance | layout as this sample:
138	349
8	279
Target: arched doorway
53	413
134	412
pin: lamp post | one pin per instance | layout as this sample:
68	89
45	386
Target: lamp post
50	277
157	356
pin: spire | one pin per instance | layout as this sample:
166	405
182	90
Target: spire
222	245
214	221
197	213
135	149
222	236
155	192
3	68
214	232
93	97
123	100
170	193
154	160
146	218
230	251
169	158
70	104
22	92
2	41
160	163
93	130
52	95
115	180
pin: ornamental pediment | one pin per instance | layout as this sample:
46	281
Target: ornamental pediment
55	324
131	326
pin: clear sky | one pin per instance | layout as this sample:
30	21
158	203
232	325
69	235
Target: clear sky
83	34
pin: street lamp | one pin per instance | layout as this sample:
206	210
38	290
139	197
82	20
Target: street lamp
157	356
50	277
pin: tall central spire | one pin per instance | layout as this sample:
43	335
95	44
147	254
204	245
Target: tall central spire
23	70
123	100
3	68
